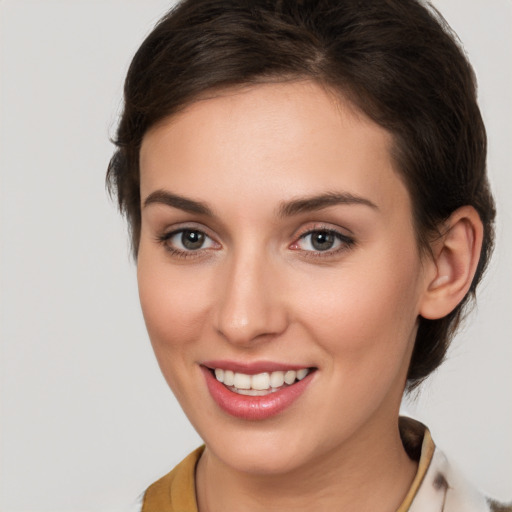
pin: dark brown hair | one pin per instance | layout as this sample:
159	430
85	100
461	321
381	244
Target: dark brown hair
397	61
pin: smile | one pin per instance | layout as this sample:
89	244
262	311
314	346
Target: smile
250	393
260	384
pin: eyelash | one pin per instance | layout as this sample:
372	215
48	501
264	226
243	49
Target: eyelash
346	243
179	253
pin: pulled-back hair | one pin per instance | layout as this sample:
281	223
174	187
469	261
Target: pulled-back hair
397	61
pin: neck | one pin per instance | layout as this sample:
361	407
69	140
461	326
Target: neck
370	472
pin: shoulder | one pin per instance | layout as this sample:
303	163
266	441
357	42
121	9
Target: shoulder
494	506
446	484
175	491
439	486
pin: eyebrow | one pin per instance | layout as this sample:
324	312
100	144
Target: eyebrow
318	202
180	202
286	209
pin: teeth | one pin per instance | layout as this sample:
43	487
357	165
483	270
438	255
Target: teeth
253	392
229	377
276	379
290	376
260	381
302	373
260	384
242	381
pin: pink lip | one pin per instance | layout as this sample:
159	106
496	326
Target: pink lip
254	407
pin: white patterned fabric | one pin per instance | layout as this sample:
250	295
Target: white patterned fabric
442	488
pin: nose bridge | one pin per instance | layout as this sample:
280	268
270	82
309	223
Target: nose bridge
249	305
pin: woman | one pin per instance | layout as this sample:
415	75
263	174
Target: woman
305	186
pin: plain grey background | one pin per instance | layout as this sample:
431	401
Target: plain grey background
87	421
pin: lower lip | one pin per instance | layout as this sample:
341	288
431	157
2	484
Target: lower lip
254	407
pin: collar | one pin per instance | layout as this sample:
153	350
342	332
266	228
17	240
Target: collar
437	487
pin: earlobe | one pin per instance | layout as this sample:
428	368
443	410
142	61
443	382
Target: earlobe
455	259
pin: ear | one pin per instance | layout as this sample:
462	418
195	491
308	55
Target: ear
453	265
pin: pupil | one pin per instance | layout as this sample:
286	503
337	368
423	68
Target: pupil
322	240
192	239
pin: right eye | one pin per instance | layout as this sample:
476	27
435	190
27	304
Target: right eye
187	240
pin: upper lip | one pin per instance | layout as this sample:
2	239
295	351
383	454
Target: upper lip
253	367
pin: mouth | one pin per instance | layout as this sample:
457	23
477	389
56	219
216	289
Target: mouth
260	384
250	393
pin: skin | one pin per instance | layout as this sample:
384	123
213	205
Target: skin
257	290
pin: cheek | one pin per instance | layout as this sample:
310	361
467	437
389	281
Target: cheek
174	313
173	304
366	310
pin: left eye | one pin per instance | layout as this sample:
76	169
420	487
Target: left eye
322	240
189	240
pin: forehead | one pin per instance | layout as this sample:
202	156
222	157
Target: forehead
275	141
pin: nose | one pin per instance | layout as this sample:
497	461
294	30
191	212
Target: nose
250	306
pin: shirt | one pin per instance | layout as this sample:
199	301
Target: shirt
437	486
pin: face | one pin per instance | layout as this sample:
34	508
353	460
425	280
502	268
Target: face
277	243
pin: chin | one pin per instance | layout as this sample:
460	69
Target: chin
262	460
262	450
